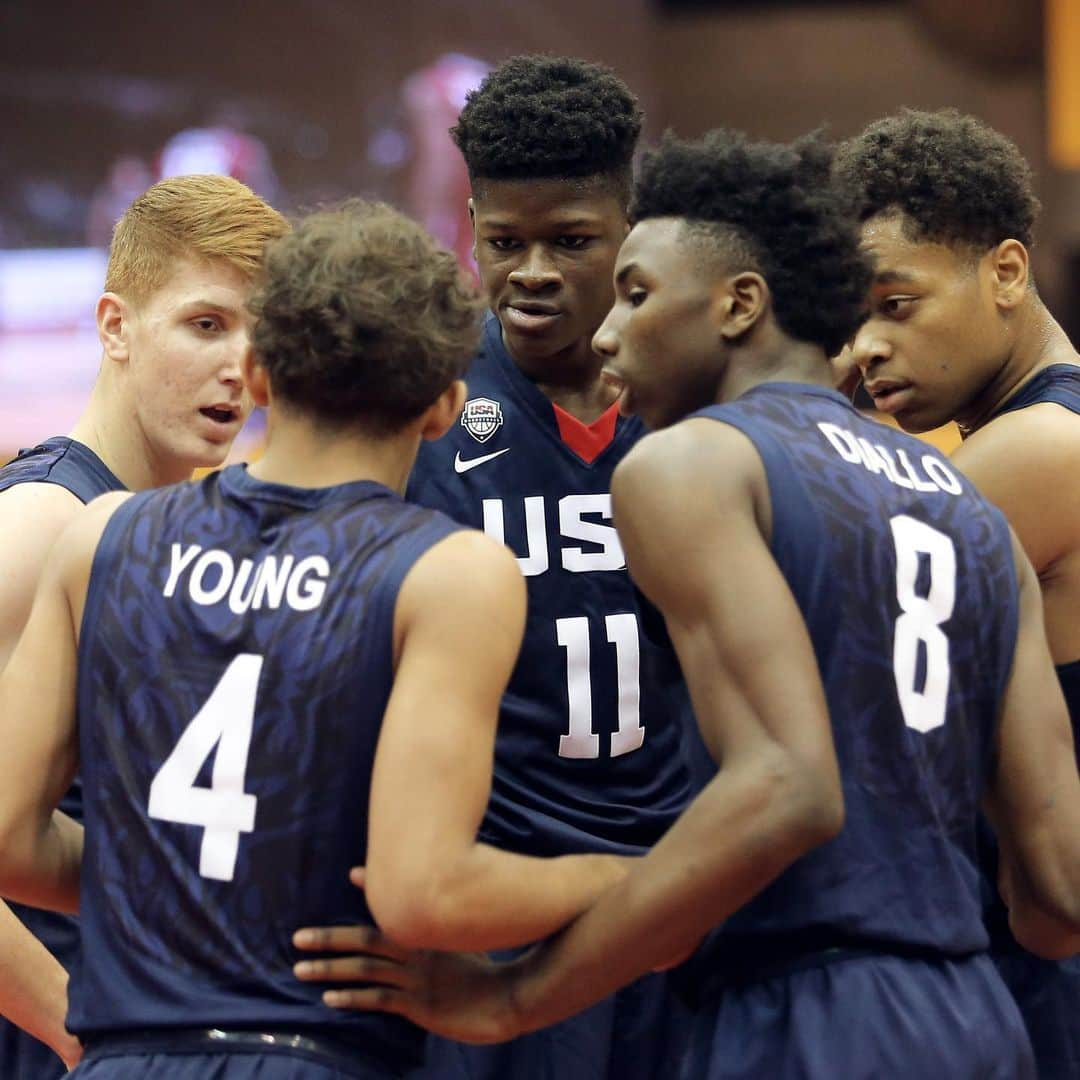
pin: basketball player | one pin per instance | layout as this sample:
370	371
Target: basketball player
957	331
281	672
168	398
852	619
588	754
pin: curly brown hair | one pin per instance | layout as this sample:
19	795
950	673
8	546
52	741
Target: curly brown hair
361	319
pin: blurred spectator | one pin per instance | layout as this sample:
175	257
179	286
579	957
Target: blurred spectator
438	183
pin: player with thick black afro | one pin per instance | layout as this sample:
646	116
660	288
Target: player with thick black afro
955	180
549	117
769	208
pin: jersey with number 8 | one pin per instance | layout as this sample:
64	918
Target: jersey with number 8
235	661
905	577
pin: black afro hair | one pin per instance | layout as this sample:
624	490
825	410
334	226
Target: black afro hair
771	208
543	117
954	179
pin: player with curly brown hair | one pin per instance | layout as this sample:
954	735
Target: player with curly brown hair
319	666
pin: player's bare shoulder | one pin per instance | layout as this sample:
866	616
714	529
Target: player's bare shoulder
465	572
690	468
73	554
35	512
1045	436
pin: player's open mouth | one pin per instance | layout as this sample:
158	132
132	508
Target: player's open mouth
530	317
889	397
220	414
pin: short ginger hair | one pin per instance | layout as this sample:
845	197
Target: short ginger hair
201	217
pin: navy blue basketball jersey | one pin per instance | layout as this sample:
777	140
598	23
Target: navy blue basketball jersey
588	754
904	575
75	467
235	662
64	462
1058	384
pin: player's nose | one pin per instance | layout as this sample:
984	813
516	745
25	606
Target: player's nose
232	367
605	341
536	271
869	347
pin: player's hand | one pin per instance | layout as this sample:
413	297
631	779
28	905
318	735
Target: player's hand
462	996
846	374
68	1049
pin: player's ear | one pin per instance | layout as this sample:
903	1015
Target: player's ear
472	223
256	380
443	413
113	315
739	304
1010	269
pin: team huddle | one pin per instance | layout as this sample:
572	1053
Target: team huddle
578	685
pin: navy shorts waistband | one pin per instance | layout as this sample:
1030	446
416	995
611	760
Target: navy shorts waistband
723	964
318	1047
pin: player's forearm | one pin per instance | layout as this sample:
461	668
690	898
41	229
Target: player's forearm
40	867
33	986
492	899
742	831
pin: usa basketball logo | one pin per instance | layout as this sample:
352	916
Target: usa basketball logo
481	418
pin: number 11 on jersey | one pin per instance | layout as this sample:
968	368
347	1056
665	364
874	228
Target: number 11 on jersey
573	635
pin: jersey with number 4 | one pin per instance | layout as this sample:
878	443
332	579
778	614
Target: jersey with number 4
905	577
587	755
235	661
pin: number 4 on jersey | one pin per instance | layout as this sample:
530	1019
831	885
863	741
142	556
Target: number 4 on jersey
223	810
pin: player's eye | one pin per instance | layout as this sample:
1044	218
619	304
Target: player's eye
897	307
636	296
502	243
207	323
574	243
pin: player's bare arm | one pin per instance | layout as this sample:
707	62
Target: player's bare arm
33	988
32	516
40	848
1000	459
692	510
1034	796
458	626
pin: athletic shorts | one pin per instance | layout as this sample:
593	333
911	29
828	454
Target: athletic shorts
864	1017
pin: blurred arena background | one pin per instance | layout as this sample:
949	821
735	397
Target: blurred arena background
310	102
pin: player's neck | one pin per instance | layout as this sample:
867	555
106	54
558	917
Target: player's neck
1039	342
778	358
301	454
571	379
110	429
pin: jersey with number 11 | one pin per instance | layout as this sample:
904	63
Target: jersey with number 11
235	661
588	755
905	577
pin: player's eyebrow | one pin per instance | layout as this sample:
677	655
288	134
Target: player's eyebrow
208	305
893	277
625	272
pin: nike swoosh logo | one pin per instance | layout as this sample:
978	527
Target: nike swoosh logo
462	466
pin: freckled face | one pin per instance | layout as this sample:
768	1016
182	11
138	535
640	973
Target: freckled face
933	340
186	344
